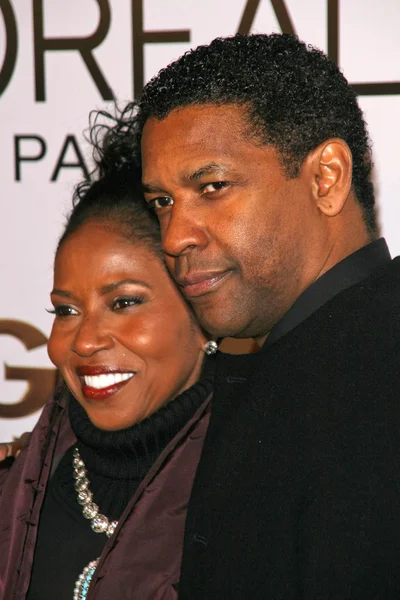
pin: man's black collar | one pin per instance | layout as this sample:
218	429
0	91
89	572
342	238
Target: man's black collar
351	270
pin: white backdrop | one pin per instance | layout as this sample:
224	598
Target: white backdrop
47	94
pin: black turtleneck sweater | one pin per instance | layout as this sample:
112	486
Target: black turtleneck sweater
116	462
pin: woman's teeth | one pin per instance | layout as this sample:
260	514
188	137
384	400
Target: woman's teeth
98	382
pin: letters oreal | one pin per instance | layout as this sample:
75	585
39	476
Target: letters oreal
139	38
32	147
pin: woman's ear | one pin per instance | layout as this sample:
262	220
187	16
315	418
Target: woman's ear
332	163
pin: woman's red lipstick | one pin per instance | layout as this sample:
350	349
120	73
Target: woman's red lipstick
100	382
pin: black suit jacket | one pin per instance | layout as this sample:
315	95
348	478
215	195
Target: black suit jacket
297	494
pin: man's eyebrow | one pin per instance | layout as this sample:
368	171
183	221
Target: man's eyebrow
208	169
111	287
151	189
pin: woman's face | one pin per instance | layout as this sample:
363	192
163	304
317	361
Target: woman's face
123	337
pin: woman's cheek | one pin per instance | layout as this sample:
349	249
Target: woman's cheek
142	337
57	347
51	351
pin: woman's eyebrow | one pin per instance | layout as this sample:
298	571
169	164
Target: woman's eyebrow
111	287
64	293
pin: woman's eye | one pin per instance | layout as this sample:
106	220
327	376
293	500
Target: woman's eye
63	310
161	202
121	303
214	186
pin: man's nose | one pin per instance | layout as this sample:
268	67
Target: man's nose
183	231
91	337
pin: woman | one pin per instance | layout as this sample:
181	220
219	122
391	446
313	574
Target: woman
95	506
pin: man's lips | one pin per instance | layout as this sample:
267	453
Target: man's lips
197	284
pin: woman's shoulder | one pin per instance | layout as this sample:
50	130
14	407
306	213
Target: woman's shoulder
53	422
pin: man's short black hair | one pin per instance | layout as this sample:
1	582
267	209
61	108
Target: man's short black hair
296	99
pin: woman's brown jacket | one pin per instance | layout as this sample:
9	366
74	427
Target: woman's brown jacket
143	557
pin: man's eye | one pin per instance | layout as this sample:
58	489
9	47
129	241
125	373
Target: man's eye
161	202
214	186
63	310
126	301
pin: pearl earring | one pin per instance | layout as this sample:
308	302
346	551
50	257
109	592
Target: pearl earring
210	347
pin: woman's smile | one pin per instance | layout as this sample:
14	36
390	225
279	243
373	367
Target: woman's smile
123	336
101	382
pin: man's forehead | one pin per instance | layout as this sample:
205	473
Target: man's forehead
195	141
198	118
195	134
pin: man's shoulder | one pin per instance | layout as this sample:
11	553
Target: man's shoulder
373	300
384	276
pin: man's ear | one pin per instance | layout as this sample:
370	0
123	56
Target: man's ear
332	165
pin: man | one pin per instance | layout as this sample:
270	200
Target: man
256	160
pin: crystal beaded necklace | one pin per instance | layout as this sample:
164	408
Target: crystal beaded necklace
98	522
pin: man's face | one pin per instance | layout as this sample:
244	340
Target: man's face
241	240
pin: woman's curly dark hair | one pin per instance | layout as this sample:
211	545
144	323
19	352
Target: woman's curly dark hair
112	137
296	99
113	193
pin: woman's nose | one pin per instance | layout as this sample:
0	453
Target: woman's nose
91	337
